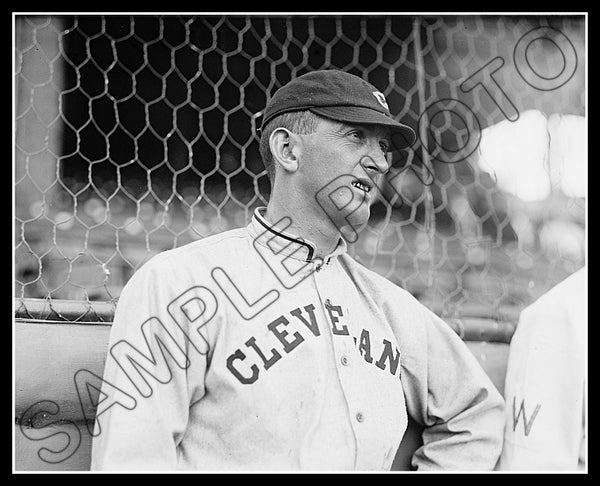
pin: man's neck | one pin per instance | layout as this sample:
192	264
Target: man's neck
306	222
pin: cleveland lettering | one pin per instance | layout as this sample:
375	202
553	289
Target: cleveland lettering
246	363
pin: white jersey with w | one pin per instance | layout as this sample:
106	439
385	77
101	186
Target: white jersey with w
546	382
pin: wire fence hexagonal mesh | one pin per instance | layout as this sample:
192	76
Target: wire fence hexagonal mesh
136	134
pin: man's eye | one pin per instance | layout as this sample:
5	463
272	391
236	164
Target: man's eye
385	147
356	134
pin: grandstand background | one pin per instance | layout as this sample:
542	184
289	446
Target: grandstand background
136	134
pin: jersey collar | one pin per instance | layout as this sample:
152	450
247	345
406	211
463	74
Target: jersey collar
274	237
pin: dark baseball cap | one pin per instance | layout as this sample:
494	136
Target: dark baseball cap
339	96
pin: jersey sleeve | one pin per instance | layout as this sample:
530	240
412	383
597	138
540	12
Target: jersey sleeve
152	374
449	393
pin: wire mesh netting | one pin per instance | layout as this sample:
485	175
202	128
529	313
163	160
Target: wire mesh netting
136	134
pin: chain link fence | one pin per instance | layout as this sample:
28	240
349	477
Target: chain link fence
136	134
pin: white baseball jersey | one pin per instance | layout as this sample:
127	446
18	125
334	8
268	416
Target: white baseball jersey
258	356
545	382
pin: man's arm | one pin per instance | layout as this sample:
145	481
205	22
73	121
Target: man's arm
150	360
449	393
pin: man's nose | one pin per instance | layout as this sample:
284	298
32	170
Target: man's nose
376	161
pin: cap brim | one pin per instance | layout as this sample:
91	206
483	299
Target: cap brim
402	135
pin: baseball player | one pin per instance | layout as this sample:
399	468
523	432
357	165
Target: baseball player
269	348
546	382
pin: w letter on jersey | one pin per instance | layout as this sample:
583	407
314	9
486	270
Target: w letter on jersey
527	422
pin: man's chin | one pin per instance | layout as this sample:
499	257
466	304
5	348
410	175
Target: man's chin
354	224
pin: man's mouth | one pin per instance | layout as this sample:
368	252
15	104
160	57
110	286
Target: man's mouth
363	186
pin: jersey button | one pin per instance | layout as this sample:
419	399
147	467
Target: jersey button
318	263
345	361
360	417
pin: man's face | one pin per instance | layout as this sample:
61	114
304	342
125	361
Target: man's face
339	166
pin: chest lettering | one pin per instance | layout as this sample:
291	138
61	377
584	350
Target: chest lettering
248	362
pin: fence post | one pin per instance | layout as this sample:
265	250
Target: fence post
422	135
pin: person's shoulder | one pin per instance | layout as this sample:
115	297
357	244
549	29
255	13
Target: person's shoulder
377	283
407	316
568	292
558	316
210	248
573	285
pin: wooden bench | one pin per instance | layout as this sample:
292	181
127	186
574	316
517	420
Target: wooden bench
52	345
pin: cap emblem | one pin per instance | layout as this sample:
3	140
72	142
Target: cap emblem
381	99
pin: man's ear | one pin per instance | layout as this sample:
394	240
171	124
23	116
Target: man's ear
285	147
